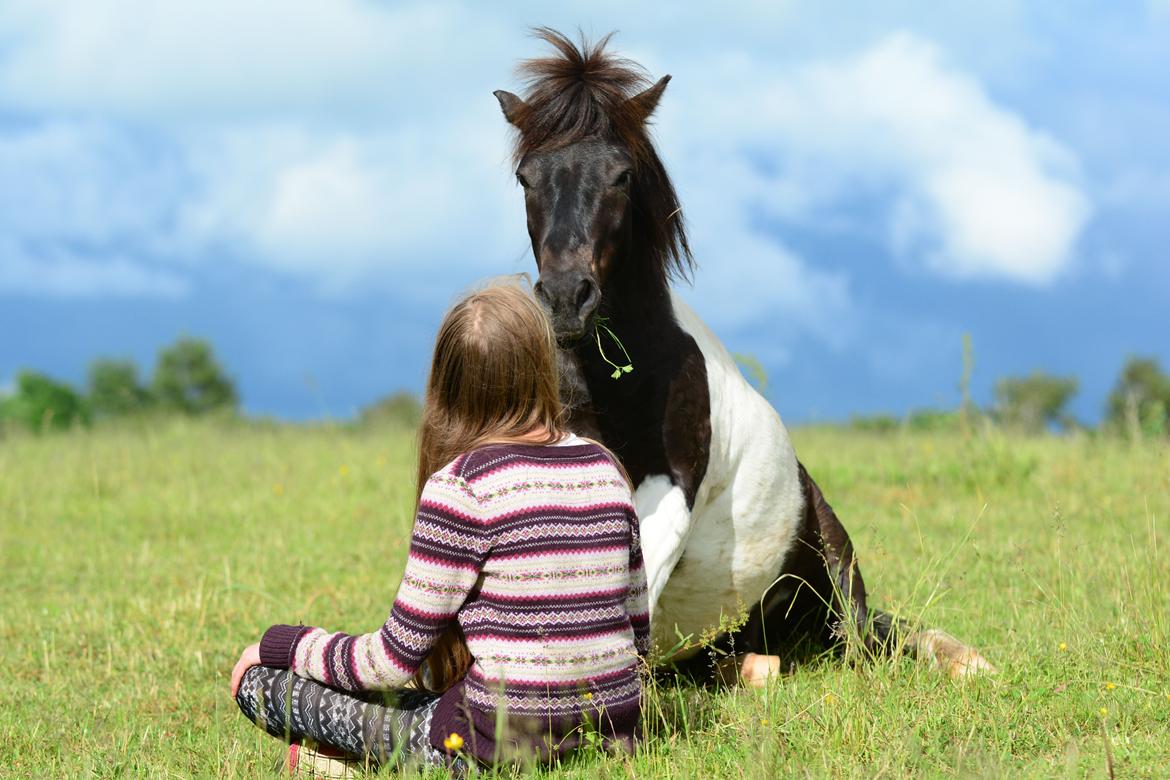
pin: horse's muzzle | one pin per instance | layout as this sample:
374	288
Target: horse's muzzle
571	300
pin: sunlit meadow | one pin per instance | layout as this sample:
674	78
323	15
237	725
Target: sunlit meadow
137	562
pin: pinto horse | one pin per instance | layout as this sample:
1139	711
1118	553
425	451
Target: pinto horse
730	519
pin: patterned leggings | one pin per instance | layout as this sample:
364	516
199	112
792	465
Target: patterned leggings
360	727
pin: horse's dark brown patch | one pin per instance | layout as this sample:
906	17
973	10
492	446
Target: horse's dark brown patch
657	420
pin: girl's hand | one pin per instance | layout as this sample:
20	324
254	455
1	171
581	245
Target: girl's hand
249	658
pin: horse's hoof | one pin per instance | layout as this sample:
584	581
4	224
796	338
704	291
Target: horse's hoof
970	664
950	655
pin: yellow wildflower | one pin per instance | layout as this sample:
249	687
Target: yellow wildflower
343	470
1109	686
1104	711
1062	647
588	695
763	721
453	742
830	699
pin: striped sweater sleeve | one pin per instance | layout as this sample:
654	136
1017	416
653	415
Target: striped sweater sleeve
637	600
448	547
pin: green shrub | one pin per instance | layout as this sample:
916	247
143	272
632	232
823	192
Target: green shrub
42	403
1035	403
114	389
188	379
1140	399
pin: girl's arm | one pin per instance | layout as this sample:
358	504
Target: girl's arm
447	549
637	600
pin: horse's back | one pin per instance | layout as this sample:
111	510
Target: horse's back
748	508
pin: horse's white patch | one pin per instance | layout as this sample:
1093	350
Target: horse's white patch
664	519
746	514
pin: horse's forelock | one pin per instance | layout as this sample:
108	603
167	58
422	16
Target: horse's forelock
581	90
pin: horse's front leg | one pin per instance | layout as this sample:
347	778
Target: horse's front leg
665	526
665	501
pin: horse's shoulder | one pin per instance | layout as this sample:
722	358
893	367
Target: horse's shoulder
724	377
746	430
718	359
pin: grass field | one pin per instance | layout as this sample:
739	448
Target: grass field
137	564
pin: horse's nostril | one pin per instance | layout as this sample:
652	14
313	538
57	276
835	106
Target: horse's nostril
538	290
585	293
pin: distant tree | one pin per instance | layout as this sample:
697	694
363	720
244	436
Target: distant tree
188	379
42	403
114	389
1141	398
402	408
1035	403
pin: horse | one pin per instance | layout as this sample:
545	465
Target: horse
731	521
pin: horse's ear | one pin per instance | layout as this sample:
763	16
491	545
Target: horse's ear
512	105
643	104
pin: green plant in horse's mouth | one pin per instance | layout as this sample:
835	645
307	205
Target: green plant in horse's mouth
617	370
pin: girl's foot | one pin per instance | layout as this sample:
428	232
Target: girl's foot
309	759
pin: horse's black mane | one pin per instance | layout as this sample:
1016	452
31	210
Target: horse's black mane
583	91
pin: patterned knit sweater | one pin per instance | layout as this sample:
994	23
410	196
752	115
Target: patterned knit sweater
534	550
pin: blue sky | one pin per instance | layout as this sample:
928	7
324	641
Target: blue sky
309	184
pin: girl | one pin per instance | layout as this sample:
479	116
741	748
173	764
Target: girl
524	590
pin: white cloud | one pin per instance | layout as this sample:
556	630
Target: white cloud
352	142
83	182
86	210
345	142
347	207
974	191
215	58
746	276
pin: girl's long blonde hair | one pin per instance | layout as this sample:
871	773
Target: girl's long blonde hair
493	379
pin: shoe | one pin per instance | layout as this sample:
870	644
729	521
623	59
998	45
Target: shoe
321	762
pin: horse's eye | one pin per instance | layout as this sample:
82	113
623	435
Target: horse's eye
623	178
523	182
